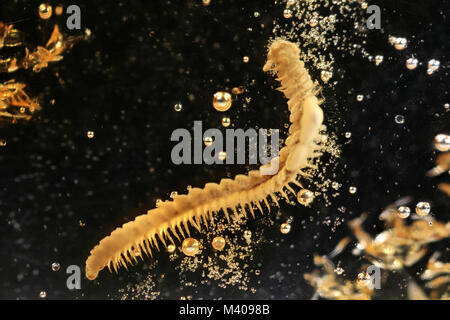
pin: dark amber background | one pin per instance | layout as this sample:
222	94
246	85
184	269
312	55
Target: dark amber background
123	83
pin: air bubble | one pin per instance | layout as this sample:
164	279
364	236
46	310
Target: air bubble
238	90
178	107
305	197
218	243
287	13
379	59
434	64
45	11
403	212
399	119
190	246
56	266
208	141
285	228
313	22
442	142
423	208
59	10
222	101
412	63
226	122
326	75
400	43
222	155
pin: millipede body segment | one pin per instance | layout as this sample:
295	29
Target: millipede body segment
244	193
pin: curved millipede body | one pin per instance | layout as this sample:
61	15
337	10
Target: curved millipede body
172	219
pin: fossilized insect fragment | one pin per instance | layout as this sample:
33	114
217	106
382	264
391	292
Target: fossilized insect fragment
51	52
172	219
330	286
38	58
15	104
400	245
9	36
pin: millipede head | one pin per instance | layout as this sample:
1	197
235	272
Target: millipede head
281	52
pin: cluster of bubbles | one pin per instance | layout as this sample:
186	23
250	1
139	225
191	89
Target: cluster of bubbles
433	66
191	246
45	11
222	101
422	209
287	12
229	264
400	43
326	75
379	59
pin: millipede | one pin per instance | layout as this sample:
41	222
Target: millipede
171	220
